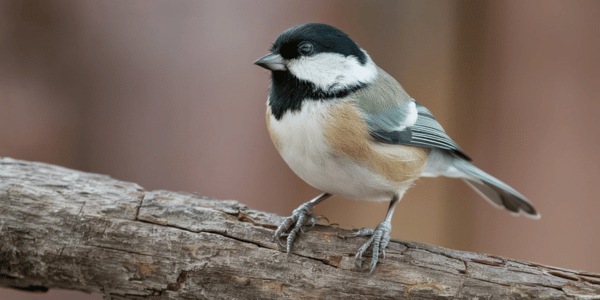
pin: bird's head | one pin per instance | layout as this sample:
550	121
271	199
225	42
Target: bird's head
322	55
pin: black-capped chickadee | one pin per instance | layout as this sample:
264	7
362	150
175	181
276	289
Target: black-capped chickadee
348	128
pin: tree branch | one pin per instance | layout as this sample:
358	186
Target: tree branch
61	228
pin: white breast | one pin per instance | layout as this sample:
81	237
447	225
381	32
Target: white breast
304	149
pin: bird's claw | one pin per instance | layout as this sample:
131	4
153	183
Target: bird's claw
294	224
379	239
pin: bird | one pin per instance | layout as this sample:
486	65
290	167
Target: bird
348	128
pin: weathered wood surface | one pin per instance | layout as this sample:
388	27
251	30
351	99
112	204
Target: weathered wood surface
61	228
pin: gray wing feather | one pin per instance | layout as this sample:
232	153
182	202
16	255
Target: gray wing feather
425	132
389	119
389	113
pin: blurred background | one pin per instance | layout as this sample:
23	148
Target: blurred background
164	93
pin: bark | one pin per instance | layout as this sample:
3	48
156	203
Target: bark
61	228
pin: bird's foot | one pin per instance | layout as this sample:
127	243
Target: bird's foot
292	225
379	239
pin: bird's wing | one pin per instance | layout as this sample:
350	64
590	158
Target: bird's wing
410	123
394	117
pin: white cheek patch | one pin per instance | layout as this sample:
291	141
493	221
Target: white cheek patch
332	71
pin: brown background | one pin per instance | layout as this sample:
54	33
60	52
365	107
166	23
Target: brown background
164	93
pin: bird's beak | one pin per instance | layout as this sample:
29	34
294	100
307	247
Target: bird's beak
272	61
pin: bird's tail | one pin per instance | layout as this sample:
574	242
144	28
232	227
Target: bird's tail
495	191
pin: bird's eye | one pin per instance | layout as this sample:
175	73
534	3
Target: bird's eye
306	48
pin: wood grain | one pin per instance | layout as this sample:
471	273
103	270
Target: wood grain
61	228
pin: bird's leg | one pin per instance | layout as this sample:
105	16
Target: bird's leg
379	237
301	216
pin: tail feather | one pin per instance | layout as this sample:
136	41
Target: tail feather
495	191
